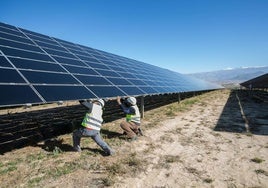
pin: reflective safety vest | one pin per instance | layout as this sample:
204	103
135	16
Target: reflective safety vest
134	117
93	120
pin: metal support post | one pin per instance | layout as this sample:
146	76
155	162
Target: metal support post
142	107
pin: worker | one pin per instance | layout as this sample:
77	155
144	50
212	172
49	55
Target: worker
131	125
91	125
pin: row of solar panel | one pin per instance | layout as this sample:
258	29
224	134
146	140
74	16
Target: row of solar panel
53	43
36	68
85	56
52	67
49	66
21	94
93	63
12	76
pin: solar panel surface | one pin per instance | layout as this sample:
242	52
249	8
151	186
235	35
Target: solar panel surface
257	82
36	68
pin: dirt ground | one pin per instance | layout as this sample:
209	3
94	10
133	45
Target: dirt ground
217	139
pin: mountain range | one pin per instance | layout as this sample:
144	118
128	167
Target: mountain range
231	77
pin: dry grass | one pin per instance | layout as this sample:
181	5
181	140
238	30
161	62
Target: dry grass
55	165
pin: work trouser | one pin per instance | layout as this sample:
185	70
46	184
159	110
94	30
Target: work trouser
130	128
94	134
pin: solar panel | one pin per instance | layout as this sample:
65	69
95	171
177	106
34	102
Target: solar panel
35	68
257	82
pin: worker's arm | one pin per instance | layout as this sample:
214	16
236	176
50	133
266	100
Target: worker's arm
122	106
118	99
127	110
86	104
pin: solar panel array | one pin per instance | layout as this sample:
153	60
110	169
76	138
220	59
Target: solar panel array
35	68
257	82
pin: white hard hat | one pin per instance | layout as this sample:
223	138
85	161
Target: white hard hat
132	100
101	102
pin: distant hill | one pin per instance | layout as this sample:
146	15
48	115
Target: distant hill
231	77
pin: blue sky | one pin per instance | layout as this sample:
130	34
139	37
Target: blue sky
186	36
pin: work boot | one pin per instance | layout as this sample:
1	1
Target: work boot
140	133
109	152
112	152
77	149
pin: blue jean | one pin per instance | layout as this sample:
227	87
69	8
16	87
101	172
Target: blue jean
94	134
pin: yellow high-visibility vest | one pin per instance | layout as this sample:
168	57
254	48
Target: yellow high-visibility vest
93	120
134	117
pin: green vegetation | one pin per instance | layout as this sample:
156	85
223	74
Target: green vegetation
57	151
208	180
261	171
62	170
108	181
193	170
34	181
173	109
248	134
10	166
116	169
170	112
172	158
257	160
134	162
238	136
190	101
130	164
34	157
166	160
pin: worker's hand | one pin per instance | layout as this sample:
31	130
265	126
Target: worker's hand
81	101
118	100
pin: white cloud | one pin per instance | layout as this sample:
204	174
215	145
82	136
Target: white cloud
228	68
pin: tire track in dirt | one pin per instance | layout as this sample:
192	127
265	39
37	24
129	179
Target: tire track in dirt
202	156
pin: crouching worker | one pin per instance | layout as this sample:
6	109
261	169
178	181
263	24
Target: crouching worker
131	126
91	125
